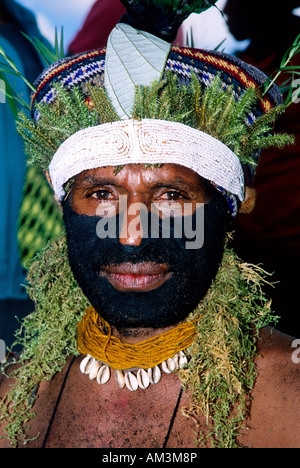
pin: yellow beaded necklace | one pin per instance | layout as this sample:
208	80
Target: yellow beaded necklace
94	338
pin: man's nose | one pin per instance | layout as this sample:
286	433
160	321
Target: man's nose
132	230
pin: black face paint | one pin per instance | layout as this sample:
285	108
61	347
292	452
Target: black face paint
192	269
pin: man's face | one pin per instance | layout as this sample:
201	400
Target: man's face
141	277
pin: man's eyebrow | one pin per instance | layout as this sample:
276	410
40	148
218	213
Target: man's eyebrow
176	183
182	185
94	181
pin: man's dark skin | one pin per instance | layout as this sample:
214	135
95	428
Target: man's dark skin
104	416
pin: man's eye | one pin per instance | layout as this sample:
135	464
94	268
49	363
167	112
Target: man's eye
101	195
172	195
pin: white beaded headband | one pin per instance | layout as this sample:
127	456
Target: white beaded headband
146	141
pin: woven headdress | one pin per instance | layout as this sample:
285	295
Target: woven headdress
141	100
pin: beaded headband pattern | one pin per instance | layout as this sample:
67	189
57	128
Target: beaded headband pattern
146	141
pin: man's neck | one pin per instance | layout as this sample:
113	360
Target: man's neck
136	335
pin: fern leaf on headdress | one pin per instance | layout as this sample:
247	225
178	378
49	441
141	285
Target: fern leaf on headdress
213	110
162	17
164	100
101	104
68	114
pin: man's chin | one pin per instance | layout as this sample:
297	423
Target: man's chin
157	308
165	305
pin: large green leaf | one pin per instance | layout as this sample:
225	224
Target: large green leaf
132	58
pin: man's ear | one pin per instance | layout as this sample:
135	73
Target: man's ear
249	202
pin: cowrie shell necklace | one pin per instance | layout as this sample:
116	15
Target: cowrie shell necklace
133	378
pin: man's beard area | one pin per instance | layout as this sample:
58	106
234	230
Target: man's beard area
192	270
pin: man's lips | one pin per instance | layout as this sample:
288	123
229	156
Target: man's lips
136	277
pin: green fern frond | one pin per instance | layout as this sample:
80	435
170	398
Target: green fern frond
102	104
67	115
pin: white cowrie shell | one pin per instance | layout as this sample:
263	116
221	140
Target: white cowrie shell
120	378
182	359
131	381
150	375
171	364
89	365
84	363
165	367
103	375
156	374
176	361
143	379
94	370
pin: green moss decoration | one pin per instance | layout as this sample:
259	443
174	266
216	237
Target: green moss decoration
221	370
48	335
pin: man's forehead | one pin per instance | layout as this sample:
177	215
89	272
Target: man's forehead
134	172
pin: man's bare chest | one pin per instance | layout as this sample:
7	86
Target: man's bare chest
88	415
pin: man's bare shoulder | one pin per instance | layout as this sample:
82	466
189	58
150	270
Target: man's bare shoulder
279	364
275	410
280	350
45	400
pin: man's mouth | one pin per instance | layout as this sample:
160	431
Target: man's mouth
136	277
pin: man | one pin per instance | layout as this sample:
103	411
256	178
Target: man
168	318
